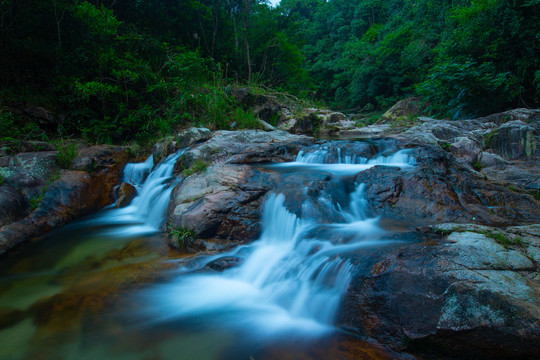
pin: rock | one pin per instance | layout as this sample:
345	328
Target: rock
126	193
513	176
184	139
403	110
465	148
244	147
60	196
466	294
264	107
14	207
439	189
487	159
516	140
223	202
45	117
30	171
529	116
224	263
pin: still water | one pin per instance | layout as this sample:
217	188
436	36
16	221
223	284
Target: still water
108	287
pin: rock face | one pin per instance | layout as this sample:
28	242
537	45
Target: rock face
441	189
246	147
224	200
57	196
503	147
469	291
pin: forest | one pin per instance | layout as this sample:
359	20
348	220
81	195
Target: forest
117	71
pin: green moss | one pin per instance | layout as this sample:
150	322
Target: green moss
503	240
197	167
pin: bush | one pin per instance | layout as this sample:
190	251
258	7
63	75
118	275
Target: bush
66	154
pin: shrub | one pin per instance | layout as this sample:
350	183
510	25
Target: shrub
66	154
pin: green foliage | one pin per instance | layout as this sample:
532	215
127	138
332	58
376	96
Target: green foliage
34	201
445	145
477	166
197	167
182	236
2	179
67	152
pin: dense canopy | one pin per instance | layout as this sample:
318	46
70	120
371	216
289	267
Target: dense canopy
117	70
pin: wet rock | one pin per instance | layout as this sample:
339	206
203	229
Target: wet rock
224	263
126	193
244	147
186	138
438	188
471	293
59	196
14	206
223	202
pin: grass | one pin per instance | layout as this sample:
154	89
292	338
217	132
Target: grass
506	242
182	236
2	179
66	154
197	167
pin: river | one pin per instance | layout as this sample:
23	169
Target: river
108	287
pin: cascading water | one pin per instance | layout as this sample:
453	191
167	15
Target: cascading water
291	279
146	213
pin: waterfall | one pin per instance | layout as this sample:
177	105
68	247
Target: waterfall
146	213
292	279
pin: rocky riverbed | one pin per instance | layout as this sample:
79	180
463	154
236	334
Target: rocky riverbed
466	286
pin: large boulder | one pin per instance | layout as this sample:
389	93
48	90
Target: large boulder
182	140
221	196
58	196
224	201
245	147
468	290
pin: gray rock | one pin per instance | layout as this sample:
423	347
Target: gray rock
516	140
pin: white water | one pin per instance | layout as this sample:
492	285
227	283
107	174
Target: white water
147	210
343	165
291	280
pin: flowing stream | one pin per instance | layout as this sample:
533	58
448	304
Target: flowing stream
57	300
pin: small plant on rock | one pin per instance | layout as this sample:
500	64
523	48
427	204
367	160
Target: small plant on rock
181	236
66	154
197	167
